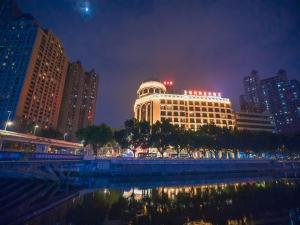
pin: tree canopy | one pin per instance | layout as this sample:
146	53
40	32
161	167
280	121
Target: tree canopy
96	136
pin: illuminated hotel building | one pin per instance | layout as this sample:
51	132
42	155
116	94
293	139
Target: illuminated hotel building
190	110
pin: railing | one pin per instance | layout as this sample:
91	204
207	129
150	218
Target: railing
16	156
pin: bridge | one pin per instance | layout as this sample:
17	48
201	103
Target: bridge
12	141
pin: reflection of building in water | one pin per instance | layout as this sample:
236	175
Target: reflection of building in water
172	192
137	194
201	222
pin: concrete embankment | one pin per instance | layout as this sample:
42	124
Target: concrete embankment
70	169
141	167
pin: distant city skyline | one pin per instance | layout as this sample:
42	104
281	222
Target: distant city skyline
196	44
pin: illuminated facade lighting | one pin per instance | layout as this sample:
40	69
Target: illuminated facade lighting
190	110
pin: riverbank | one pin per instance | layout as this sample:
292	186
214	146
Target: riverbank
150	167
63	170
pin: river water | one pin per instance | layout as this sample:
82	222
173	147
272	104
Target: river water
205	200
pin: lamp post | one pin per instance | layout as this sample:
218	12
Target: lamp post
8	124
65	135
7	121
35	127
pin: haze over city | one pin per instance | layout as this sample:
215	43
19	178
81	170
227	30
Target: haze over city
203	45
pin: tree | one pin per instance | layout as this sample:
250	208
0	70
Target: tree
132	134
121	137
161	136
189	142
135	134
96	136
177	139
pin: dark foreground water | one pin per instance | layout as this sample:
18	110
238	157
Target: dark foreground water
194	200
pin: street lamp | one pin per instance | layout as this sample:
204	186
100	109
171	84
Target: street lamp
8	117
8	124
65	135
35	127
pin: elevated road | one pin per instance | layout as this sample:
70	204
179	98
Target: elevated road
41	144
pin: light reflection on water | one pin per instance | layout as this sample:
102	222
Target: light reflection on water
233	203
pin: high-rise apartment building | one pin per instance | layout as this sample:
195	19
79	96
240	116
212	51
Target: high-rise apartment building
32	73
251	101
295	89
278	100
79	100
276	95
190	110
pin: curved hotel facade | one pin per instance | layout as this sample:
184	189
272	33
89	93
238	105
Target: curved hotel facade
190	110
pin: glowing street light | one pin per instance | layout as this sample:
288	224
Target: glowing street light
35	127
65	135
8	117
8	124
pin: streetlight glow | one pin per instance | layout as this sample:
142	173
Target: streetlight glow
8	124
35	127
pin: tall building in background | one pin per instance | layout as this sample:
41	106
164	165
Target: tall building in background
251	101
275	95
79	100
189	110
295	89
32	73
281	101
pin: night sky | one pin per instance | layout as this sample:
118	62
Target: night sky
199	44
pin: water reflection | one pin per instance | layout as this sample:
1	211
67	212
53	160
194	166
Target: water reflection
248	202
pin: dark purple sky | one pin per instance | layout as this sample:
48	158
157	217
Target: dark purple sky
200	44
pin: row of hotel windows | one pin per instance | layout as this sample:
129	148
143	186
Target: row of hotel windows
182	114
198	121
196	103
196	109
151	91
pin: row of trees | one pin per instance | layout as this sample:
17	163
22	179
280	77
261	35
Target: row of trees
163	135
